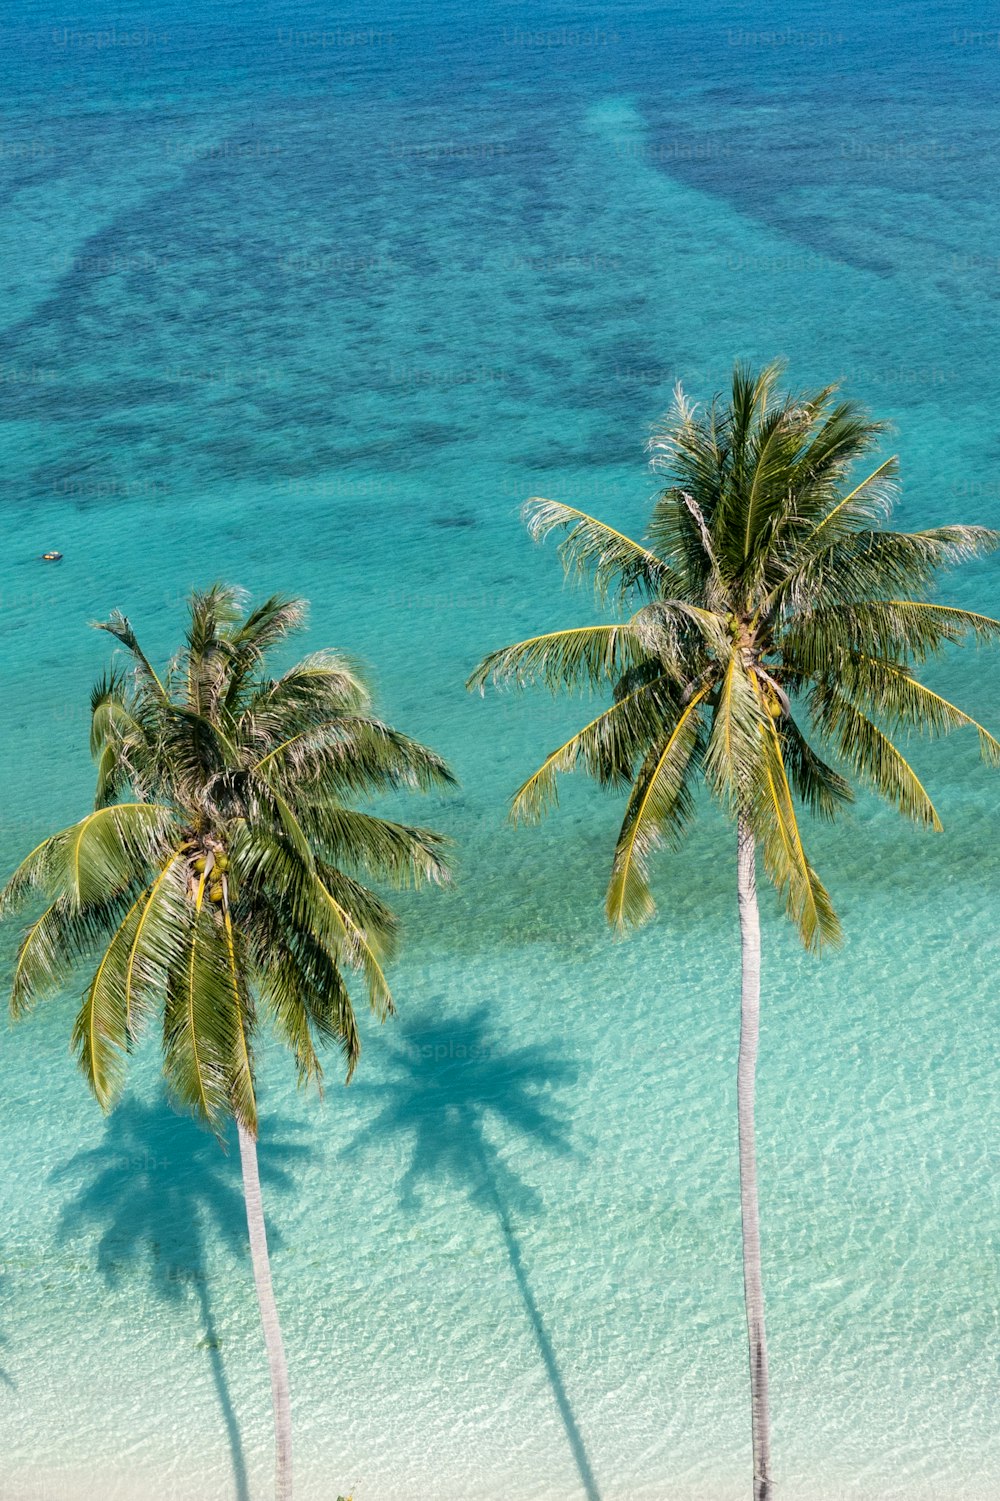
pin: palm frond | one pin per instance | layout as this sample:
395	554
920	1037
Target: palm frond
871	563
616	564
772	815
590	656
816	640
242	1094
352	753
393	852
358	945
101	1035
320	687
119	626
870	752
659	809
888	689
733	751
52	946
823	790
607	747
199	1041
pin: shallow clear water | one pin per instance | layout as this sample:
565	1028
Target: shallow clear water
315	314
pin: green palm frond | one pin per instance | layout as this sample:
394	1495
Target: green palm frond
206	887
733	753
321	687
607	747
947	619
358	945
101	1034
777	585
53	945
815	641
591	656
199	1026
392	852
880	563
659	810
868	502
241	1092
670	629
96	859
32	876
119	626
352	753
888	690
250	638
286	995
616	564
823	790
870	752
774	823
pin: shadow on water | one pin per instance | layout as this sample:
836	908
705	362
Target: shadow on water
157	1189
452	1081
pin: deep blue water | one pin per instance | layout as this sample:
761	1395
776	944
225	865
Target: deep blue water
310	298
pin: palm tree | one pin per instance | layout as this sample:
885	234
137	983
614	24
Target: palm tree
765	591
209	886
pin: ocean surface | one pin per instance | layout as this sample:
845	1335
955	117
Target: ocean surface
310	298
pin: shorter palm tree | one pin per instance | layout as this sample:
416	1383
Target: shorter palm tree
218	883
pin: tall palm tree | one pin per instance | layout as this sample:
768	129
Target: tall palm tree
764	591
216	883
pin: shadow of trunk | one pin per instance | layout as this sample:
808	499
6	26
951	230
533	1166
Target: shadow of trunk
212	1344
544	1343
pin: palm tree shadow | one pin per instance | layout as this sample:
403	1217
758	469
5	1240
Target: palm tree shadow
451	1081
156	1188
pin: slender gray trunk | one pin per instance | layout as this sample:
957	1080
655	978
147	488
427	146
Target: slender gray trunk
753	1287
280	1399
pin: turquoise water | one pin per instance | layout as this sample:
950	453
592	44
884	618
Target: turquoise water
315	312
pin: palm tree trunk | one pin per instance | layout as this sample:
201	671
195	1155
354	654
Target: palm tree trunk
280	1399
753	1287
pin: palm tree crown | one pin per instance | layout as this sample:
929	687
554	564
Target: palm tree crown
218	878
765	595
